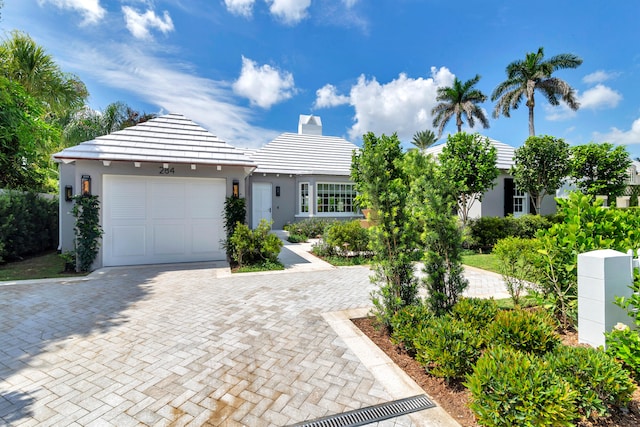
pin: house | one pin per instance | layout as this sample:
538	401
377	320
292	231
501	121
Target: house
504	198
162	186
302	175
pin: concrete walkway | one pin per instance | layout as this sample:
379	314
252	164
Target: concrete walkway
191	344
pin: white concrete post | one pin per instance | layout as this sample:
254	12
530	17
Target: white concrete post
603	275
623	201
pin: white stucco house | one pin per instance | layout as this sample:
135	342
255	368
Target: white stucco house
504	198
302	175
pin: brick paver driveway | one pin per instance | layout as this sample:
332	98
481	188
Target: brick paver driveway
178	346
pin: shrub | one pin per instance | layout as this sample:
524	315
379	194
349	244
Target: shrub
250	247
235	212
476	312
310	227
596	377
517	261
296	238
86	211
408	323
347	236
623	343
511	388
485	232
28	225
526	226
524	330
448	348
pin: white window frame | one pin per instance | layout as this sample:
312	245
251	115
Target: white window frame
337	212
301	197
520	202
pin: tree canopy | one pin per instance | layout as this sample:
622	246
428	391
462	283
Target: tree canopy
533	73
468	162
458	100
541	164
600	168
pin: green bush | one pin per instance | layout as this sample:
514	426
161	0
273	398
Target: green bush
251	247
478	313
310	228
296	238
517	262
86	211
448	348
510	388
235	211
524	330
485	232
347	236
28	225
596	377
408	323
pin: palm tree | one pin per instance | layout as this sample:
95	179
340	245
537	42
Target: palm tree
88	124
459	99
424	139
25	62
524	77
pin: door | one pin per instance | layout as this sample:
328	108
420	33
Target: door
261	202
153	220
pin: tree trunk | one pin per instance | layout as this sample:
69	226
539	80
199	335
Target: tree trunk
532	131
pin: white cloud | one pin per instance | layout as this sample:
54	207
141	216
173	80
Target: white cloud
599	77
327	96
599	97
240	7
289	11
91	10
263	85
617	136
172	87
139	24
403	105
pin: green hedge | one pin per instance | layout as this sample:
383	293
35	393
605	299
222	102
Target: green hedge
483	233
28	225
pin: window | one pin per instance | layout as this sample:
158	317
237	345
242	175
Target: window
520	202
335	198
304	197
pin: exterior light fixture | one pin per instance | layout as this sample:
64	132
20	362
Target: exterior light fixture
86	185
277	191
236	188
68	193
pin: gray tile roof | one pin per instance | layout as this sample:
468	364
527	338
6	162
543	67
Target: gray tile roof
505	153
304	154
167	139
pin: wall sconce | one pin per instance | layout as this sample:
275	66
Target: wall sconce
68	193
86	185
277	191
236	188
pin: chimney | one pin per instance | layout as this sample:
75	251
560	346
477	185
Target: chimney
309	125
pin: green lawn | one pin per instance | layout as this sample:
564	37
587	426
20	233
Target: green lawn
484	261
46	266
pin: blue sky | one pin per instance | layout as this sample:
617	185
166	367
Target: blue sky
245	69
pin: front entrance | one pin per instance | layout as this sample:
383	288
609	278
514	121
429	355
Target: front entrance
261	202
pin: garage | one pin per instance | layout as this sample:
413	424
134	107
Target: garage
151	220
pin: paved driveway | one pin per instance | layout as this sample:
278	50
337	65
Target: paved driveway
181	346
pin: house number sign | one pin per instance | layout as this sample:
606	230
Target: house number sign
167	171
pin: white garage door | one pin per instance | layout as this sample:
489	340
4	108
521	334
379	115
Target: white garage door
153	220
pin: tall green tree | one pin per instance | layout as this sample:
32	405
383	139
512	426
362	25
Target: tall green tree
541	164
88	124
533	73
600	168
468	162
383	186
424	139
432	202
26	141
25	62
458	100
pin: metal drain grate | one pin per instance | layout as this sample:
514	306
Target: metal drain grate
372	414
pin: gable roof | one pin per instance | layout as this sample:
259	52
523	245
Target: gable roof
505	153
305	154
171	138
